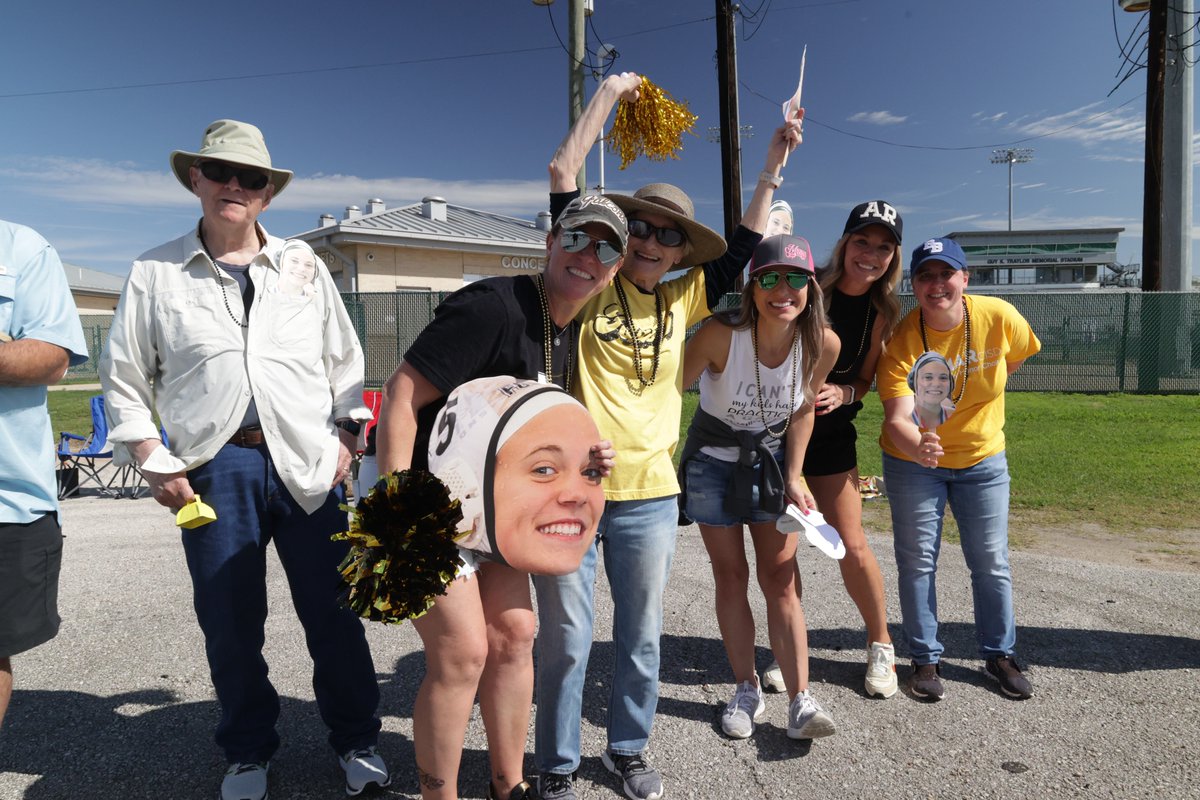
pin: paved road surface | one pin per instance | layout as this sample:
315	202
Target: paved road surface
120	706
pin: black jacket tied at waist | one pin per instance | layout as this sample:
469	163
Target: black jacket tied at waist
708	431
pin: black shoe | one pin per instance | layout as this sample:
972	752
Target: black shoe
926	681
554	786
522	791
1007	672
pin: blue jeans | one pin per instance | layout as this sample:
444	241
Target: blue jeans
978	496
227	562
638	537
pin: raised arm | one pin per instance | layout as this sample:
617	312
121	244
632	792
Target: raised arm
786	138
573	149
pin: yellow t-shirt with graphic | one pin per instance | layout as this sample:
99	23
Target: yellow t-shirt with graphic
999	336
641	421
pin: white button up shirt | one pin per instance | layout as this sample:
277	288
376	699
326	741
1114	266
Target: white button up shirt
174	346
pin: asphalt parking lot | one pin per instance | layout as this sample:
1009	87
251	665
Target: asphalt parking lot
120	705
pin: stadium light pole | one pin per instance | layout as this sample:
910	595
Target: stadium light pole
1010	156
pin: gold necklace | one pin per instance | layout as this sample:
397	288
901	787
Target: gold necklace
633	336
966	354
862	343
547	348
758	382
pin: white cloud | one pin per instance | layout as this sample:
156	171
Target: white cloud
1089	125
1030	185
980	116
94	182
877	118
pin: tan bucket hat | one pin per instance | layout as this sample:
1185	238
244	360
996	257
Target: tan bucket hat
234	142
671	201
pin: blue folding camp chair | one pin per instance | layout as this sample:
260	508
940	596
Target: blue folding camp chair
91	458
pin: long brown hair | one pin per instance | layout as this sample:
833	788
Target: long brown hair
812	322
882	291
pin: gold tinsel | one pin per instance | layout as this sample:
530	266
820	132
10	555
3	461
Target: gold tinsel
653	126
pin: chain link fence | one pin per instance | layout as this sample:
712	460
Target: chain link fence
1095	342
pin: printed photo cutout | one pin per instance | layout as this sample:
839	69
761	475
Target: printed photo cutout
297	269
517	454
932	382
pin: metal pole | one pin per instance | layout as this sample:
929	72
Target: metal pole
1152	181
1177	150
575	36
1011	158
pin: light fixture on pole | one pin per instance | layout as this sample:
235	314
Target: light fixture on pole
1010	156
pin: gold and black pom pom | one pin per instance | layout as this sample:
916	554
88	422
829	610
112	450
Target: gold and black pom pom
652	126
403	552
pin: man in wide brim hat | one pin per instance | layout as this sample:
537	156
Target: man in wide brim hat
703	243
234	143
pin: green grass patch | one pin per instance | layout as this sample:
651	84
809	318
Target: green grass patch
1126	462
71	411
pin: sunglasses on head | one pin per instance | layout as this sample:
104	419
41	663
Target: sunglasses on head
769	280
607	253
220	172
667	237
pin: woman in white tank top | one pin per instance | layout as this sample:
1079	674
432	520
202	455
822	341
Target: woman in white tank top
760	366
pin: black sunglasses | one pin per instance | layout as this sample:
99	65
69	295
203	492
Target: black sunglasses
248	177
577	241
667	237
769	280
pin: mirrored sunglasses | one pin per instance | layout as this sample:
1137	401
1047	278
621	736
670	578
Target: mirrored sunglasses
769	280
248	177
667	237
607	253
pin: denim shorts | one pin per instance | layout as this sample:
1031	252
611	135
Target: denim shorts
707	482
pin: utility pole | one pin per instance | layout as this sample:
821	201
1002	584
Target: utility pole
1152	191
578	55
731	146
1177	149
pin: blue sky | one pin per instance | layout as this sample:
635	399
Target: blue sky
467	100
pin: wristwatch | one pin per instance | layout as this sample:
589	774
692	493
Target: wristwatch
350	426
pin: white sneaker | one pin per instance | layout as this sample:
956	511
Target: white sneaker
772	678
745	709
881	670
807	720
364	767
245	782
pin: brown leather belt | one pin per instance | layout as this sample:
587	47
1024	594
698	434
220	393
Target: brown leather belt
250	436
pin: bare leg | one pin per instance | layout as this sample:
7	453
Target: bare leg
6	684
506	688
455	639
731	573
779	579
838	499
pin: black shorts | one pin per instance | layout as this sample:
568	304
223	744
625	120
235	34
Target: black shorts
30	558
831	450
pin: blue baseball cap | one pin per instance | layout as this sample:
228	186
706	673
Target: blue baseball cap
940	249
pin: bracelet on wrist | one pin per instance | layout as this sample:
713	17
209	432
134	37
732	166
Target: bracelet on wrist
770	178
853	394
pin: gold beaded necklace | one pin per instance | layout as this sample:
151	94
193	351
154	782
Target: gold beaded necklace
548	340
758	381
966	353
862	343
659	324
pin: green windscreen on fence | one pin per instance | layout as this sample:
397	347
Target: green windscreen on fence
1091	341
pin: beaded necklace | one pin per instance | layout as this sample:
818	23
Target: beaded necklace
862	343
547	326
758	382
658	333
966	353
221	281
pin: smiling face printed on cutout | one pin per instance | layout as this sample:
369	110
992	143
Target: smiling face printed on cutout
932	382
547	493
297	268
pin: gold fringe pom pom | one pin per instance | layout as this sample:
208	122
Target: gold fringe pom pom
653	126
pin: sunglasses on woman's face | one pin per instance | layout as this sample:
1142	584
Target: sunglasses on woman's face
769	280
578	241
220	172
667	237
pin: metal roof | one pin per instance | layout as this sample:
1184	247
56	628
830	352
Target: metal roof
462	225
84	279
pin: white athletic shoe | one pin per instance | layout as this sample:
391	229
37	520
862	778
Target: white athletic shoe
745	709
772	678
881	670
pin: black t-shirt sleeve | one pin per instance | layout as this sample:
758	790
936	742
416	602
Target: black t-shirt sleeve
559	201
462	339
721	273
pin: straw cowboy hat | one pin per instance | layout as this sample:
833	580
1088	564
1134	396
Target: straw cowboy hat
671	201
233	142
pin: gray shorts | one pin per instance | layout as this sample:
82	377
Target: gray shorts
30	558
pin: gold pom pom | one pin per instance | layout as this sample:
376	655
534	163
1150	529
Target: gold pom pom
653	126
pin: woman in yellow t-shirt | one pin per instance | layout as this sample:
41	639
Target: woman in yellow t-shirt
961	462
